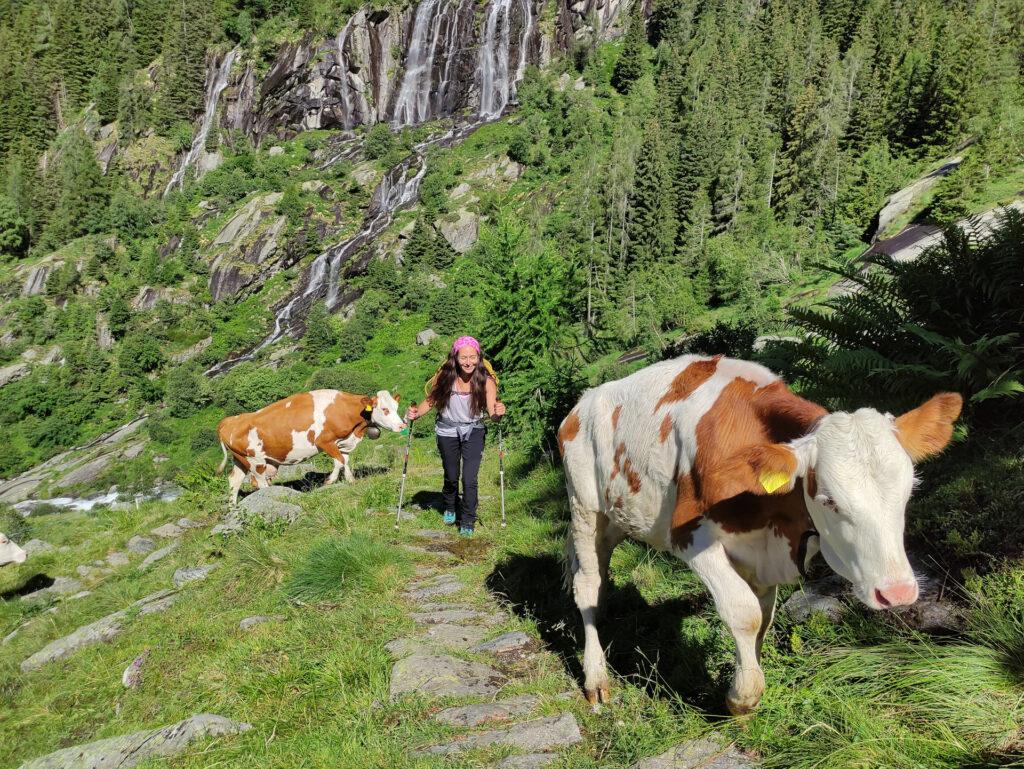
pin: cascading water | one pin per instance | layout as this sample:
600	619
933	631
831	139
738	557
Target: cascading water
214	86
413	103
497	85
417	101
344	86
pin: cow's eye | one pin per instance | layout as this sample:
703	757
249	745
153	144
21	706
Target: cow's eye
828	502
386	410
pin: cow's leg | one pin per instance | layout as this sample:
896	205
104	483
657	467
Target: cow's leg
330	448
346	460
740	610
612	538
236	479
766	597
260	479
587	531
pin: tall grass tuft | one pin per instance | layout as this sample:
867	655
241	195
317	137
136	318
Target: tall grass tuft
333	568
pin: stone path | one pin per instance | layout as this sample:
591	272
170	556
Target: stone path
425	667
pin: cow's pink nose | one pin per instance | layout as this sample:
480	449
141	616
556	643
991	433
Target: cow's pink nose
900	594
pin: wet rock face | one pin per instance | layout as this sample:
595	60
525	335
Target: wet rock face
435	58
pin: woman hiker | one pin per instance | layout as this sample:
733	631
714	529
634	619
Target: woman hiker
462	390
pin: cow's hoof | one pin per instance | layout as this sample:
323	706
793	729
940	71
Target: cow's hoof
598	695
741	706
328	482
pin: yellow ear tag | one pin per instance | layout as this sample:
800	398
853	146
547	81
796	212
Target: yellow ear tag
773	480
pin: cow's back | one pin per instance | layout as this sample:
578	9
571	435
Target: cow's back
628	441
284	431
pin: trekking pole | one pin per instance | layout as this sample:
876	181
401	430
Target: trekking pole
501	471
405	471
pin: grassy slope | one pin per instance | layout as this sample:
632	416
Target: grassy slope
315	686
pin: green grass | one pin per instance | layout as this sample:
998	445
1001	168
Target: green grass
315	685
336	567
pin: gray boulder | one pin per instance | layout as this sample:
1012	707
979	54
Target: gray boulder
462	233
272	504
117	559
132	749
62	586
167	531
192	574
426	336
36	546
251	622
141	545
103	629
155	556
132	675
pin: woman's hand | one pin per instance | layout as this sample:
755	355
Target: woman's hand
499	409
412	413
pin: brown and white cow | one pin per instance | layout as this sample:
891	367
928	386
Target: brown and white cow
298	427
715	461
10	552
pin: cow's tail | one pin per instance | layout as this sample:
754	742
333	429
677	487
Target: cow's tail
223	462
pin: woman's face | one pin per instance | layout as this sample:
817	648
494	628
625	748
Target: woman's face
467	358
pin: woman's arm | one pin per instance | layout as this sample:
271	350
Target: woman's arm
494	407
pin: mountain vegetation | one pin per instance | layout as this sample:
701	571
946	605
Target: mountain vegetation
697	183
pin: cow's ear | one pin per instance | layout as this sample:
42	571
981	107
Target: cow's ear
766	469
926	430
397	397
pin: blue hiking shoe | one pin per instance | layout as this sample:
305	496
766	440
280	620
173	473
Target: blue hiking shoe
449	516
465	531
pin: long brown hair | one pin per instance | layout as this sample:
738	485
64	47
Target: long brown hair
444	382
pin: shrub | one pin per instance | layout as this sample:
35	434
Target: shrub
139	354
347	380
248	388
379	141
336	567
187	391
735	340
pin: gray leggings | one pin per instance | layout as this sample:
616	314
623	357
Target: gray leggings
468	453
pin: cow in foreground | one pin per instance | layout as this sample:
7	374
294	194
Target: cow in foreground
717	462
298	427
10	552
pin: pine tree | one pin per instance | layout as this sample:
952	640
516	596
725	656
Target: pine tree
632	62
184	60
651	228
79	187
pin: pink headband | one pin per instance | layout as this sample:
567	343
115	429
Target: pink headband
463	341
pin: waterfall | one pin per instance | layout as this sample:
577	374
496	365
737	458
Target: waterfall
496	85
214	86
344	86
396	190
413	103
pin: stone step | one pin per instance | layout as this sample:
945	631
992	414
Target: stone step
439	675
542	734
487	712
703	753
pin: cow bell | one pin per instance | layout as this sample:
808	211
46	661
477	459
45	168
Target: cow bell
373	432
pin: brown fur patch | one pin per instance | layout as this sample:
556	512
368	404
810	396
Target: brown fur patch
686	515
568	431
688	380
618	503
666	428
617	461
926	430
737	438
812	483
632	476
615	416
